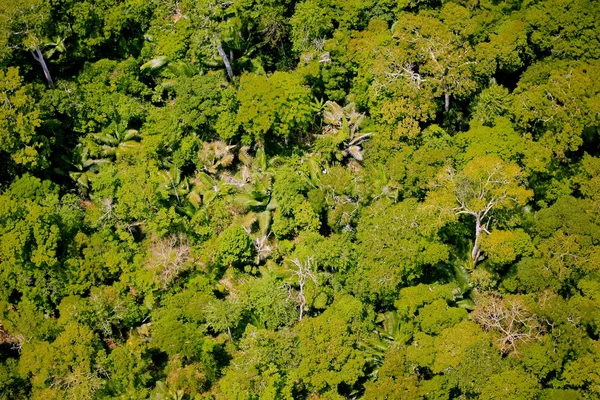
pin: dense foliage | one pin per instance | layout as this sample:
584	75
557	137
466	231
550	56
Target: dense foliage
300	199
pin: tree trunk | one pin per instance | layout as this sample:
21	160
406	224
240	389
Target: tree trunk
39	57
302	300
223	56
446	101
476	250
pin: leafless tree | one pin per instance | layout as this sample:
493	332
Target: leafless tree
169	256
510	319
304	272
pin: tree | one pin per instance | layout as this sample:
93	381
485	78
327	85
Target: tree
23	25
511	384
235	247
510	319
274	107
341	137
31	232
65	368
556	101
484	186
260	366
169	257
395	243
310	23
268	302
303	271
19	120
446	62
327	354
116	140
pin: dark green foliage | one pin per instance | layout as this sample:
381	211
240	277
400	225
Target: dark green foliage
235	247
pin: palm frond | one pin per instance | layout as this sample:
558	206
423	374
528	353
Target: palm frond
155	63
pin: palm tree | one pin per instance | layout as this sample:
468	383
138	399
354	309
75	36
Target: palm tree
382	184
215	155
341	137
116	139
85	168
162	392
57	45
198	192
387	334
176	185
255	182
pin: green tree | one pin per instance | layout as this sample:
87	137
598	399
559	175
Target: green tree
274	107
20	119
65	368
327	356
395	243
23	25
485	185
235	246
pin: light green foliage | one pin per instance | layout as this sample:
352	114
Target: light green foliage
539	358
395	243
575	18
479	361
294	212
326	352
269	303
93	259
310	24
273	108
12	385
508	47
447	61
558	102
510	384
503	247
30	230
22	25
131	194
434	317
65	368
582	373
200	101
412	168
589	178
106	311
224	316
453	343
129	368
260	365
105	88
25	323
565	247
393	381
491	103
178	328
503	141
19	119
485	182
484	187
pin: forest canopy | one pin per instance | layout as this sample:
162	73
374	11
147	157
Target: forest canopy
299	199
